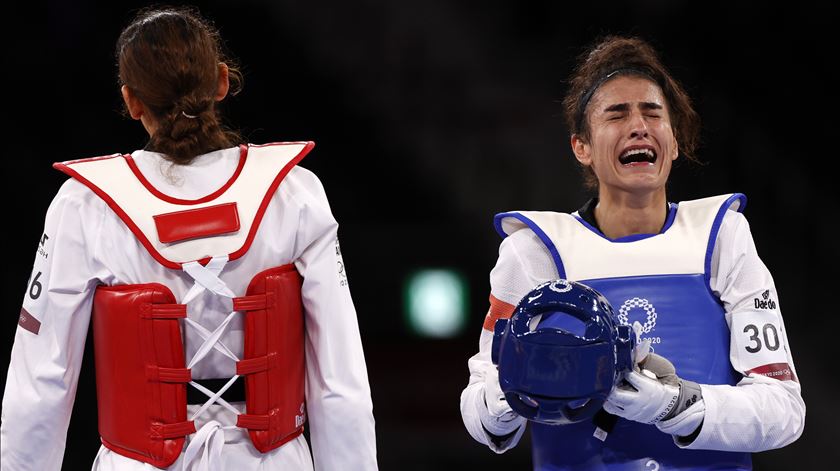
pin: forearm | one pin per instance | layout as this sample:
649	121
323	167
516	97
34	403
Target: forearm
338	402
498	433
341	427
757	415
37	404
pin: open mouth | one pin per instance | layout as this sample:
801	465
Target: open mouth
637	156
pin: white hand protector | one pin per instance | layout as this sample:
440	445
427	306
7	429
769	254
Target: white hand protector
644	399
499	419
655	394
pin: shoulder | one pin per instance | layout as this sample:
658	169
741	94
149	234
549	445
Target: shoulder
510	222
75	194
733	226
304	178
304	187
524	253
522	242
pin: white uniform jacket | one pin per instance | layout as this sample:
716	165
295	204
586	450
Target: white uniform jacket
763	411
86	244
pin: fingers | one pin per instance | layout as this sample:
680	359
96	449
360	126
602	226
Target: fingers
497	406
622	398
641	381
612	408
659	365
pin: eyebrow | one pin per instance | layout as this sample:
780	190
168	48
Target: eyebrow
645	105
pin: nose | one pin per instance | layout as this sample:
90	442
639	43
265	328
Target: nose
638	126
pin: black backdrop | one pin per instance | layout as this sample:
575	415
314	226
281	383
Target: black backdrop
431	116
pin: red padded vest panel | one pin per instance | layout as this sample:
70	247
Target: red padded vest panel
273	362
140	372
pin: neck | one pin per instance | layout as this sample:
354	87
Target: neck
625	214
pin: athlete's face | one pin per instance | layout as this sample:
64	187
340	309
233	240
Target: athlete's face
631	143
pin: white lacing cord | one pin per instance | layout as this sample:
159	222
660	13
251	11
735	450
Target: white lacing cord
212	438
204	333
214	397
211	435
207	278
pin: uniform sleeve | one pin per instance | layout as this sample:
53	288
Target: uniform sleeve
765	409
523	263
338	399
50	338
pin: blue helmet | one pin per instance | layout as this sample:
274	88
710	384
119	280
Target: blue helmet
561	370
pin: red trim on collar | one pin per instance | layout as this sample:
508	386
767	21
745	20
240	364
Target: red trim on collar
243	154
89	159
261	211
122	214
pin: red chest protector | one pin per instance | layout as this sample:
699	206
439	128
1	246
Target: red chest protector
141	373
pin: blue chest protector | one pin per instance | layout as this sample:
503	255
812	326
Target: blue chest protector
661	281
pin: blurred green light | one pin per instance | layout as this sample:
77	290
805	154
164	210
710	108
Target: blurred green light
436	303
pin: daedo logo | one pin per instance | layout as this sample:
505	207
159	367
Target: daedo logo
766	302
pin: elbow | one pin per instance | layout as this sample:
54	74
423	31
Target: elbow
799	429
797	422
793	427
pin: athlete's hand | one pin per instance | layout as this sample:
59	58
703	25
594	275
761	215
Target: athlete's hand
654	394
642	397
500	419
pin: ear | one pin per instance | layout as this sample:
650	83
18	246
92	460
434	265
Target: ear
676	148
582	150
132	103
224	82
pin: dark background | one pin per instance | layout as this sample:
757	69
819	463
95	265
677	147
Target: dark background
431	116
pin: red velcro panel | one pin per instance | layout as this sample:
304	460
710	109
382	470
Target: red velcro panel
176	430
163	311
251	365
194	223
168	375
250	303
253	422
256	365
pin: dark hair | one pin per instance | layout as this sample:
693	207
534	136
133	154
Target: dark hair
169	59
614	56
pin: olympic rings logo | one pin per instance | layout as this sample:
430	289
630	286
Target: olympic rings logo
560	286
625	308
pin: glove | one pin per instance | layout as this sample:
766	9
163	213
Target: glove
654	394
499	418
